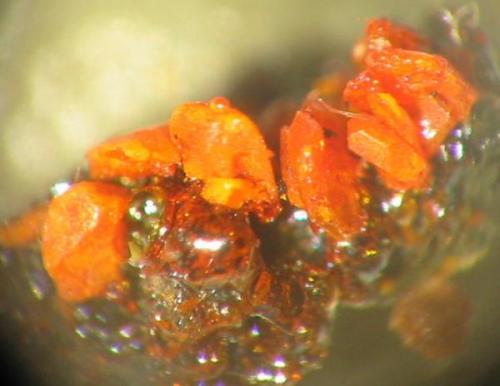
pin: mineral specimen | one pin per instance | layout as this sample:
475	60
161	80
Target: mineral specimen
181	244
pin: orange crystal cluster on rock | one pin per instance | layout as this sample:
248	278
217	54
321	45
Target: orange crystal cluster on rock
182	224
401	107
409	101
212	143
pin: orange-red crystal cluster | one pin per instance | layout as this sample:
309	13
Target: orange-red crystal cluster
212	143
401	107
166	216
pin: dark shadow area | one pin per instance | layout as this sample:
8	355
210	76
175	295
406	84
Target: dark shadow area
290	76
15	369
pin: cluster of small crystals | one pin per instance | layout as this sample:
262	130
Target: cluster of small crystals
411	234
442	228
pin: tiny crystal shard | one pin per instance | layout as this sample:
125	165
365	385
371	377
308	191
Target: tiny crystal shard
24	230
395	35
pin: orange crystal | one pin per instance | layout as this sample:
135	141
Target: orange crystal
387	108
25	229
412	101
397	35
357	90
222	147
366	94
383	33
372	140
321	174
84	240
428	86
144	153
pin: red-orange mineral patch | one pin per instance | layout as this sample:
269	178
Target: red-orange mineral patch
84	240
144	153
25	229
222	147
319	171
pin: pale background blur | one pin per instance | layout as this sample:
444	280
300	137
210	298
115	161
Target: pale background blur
73	73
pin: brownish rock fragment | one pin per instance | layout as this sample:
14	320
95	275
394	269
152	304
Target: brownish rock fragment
432	319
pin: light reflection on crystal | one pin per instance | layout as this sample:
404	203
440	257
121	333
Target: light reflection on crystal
209	245
214	358
126	331
279	362
102	333
393	202
300	215
456	150
224	310
116	348
202	358
136	345
254	330
343	244
427	131
443	154
280	378
263	375
150	207
81	331
82	312
40	284
396	200
59	188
